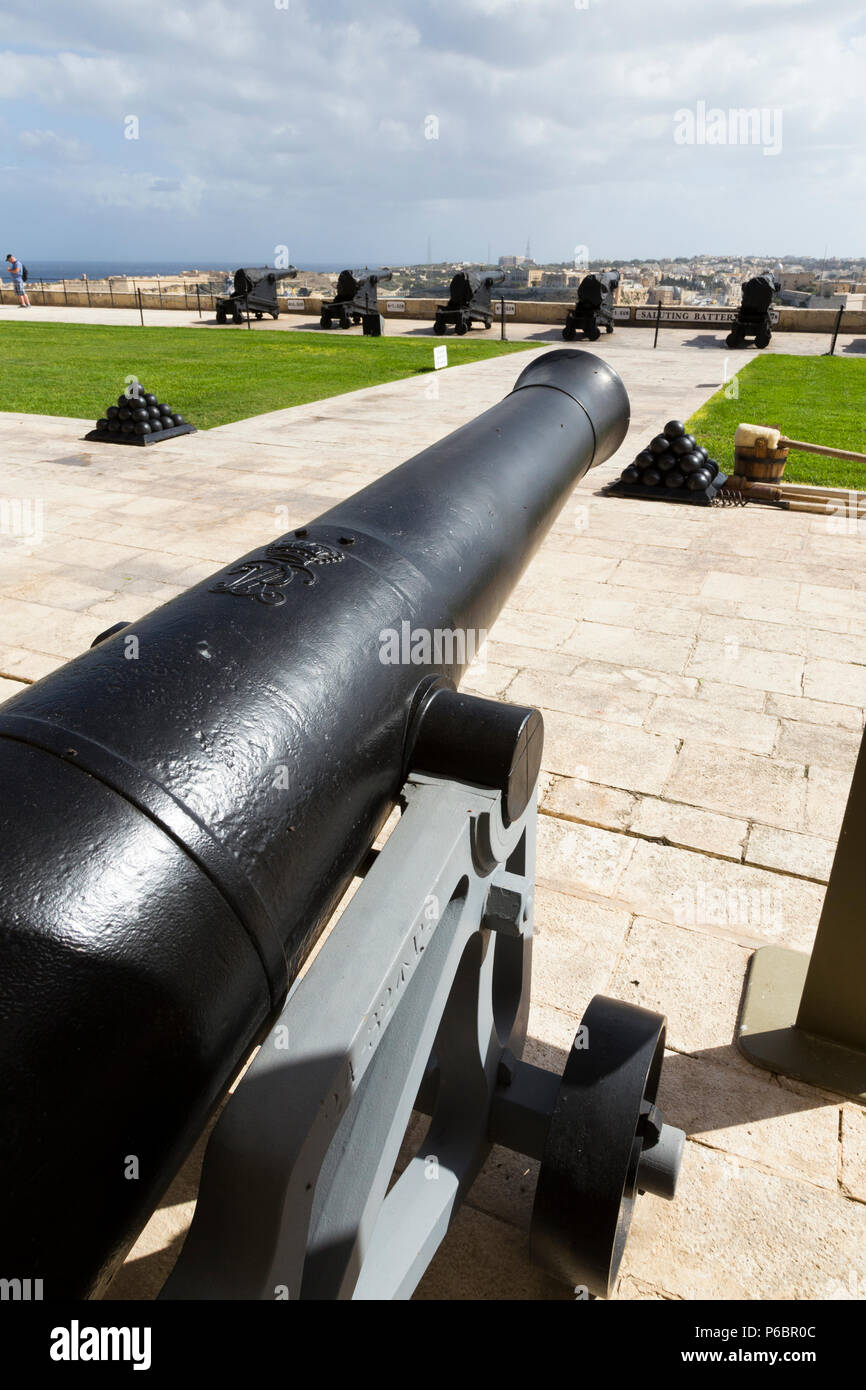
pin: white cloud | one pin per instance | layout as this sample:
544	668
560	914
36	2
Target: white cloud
552	119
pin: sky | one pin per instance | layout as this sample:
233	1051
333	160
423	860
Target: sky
364	130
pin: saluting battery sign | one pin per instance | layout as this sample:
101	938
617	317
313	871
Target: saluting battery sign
694	315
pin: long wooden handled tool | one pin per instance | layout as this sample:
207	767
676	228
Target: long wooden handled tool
750	436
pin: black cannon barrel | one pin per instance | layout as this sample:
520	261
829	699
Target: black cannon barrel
249	278
183	806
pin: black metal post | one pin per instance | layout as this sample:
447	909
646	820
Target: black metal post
836	330
247	307
140	309
111	292
65	294
502	317
658	321
198	297
87	287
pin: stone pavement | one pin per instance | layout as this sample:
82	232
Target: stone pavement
702	674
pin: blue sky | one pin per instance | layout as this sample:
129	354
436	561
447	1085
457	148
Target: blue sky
286	122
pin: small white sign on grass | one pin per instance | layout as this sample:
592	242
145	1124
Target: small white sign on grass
440	357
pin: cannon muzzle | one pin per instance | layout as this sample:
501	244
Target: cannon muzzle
184	805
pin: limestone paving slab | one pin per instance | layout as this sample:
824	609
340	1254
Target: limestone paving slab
786	850
750	904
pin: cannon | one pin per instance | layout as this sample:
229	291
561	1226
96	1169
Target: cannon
468	301
255	292
183	809
753	316
356	301
594	308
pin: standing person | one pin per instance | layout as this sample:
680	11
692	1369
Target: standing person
16	270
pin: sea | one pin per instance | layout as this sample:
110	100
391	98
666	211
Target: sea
99	270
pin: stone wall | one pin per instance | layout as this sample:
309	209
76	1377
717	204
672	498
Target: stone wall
791	320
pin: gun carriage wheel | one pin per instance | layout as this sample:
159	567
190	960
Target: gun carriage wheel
605	1143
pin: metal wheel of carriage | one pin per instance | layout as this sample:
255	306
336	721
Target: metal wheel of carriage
606	1142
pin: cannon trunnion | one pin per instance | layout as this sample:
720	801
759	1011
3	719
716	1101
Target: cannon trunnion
184	807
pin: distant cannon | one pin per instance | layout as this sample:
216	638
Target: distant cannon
753	317
469	300
356	301
255	292
594	308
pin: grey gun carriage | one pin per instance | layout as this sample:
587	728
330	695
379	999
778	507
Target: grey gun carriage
178	831
594	308
255	292
468	301
356	302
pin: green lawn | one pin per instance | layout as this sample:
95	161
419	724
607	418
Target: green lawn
819	399
211	376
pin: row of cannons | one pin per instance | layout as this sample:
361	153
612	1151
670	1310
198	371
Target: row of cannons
185	805
356	302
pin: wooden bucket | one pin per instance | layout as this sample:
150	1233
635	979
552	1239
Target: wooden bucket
760	464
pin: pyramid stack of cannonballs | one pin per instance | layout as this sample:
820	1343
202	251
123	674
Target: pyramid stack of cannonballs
139	417
674	465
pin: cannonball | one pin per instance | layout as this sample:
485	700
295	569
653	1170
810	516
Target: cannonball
696	482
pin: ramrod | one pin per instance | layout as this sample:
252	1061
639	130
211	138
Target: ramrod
180	815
